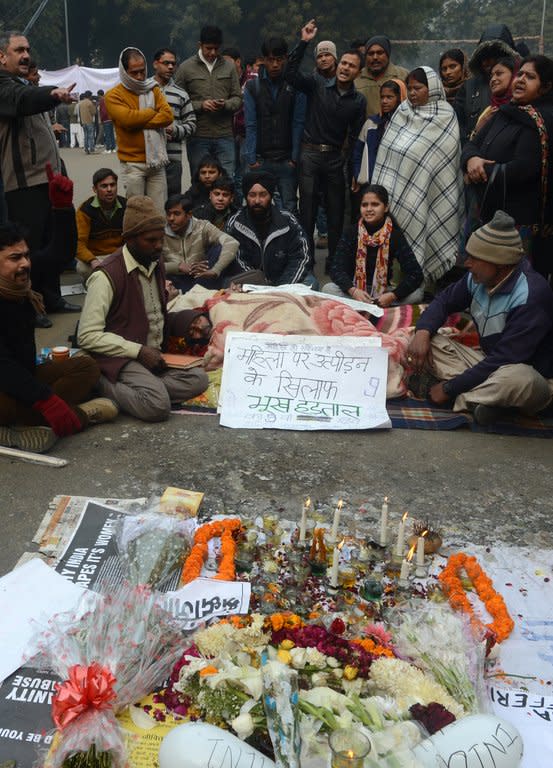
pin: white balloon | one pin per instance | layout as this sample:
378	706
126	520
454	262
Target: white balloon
201	745
477	741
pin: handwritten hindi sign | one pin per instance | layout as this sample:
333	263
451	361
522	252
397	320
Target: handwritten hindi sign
203	599
303	382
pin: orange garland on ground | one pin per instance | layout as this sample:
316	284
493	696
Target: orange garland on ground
223	529
502	624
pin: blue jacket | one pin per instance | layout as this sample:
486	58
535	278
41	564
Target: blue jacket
515	323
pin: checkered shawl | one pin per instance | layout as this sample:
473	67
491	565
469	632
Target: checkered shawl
418	162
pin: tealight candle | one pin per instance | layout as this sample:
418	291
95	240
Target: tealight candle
336	522
349	748
384	523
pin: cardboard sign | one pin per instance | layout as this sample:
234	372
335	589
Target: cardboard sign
303	382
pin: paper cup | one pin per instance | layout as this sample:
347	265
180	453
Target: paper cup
60	353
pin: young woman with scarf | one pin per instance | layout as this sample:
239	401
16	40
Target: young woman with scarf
418	163
509	160
453	71
502	76
368	254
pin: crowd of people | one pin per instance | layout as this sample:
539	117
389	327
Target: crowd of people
415	174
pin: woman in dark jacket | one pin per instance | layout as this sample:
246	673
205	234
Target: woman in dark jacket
509	159
363	266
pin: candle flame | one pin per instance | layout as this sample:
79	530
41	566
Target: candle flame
411	553
385	499
307	502
341	544
340	504
350	753
424	533
404	518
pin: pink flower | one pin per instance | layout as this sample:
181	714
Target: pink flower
378	632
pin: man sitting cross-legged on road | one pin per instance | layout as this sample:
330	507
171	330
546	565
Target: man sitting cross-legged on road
512	308
124	322
40	403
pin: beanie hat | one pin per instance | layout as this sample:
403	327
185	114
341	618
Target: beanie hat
266	179
497	242
382	40
326	46
141	215
181	321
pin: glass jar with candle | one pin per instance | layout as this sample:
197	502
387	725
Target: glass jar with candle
348	748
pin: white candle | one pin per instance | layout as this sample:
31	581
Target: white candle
405	569
384	523
303	523
400	543
420	550
336	523
334	569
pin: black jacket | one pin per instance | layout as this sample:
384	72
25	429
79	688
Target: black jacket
474	95
274	117
283	257
511	138
342	269
331	117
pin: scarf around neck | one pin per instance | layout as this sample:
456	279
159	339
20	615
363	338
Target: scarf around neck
10	291
154	138
381	240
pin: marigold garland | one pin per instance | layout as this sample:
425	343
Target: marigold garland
223	529
502	624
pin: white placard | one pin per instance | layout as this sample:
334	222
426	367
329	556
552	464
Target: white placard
203	599
303	382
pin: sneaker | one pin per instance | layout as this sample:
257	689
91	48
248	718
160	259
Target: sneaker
99	410
42	321
322	242
487	415
33	439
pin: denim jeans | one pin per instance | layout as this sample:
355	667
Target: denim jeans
222	149
109	136
89	137
287	183
322	171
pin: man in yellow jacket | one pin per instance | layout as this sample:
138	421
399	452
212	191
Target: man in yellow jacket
140	114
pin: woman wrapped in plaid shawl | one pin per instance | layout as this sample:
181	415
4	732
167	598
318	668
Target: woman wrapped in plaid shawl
418	162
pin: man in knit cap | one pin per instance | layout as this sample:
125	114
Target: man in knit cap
512	309
271	241
124	322
378	68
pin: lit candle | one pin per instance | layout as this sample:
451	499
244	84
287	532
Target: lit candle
406	567
400	543
336	523
384	523
334	570
420	548
303	523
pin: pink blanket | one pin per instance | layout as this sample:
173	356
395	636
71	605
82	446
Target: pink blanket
284	313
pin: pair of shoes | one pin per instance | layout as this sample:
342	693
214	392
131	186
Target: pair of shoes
64	306
42	321
322	242
34	439
99	410
420	384
486	415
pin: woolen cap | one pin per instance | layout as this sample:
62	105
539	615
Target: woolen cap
326	46
382	41
141	215
497	242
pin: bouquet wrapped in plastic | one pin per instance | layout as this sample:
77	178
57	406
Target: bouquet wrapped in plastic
280	698
153	546
121	649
